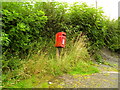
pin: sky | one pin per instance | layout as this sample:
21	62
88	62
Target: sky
110	7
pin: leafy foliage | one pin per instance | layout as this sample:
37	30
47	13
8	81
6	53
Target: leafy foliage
90	21
113	35
24	25
56	12
21	28
30	28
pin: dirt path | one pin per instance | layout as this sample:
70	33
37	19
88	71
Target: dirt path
107	78
98	80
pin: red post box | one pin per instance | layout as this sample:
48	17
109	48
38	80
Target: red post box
60	39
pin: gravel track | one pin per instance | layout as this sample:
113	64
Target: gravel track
98	80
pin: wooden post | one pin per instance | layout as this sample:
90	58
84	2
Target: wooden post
58	52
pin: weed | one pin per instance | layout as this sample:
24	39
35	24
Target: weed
84	68
98	58
74	60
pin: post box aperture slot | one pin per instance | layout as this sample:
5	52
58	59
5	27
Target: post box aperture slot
64	34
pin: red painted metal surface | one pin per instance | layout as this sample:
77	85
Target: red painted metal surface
60	40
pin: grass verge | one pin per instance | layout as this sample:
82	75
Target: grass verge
41	67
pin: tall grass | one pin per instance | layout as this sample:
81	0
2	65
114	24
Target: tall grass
74	60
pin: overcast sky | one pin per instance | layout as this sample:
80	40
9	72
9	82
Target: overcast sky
110	7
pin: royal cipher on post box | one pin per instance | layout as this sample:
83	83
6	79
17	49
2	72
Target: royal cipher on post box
60	40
